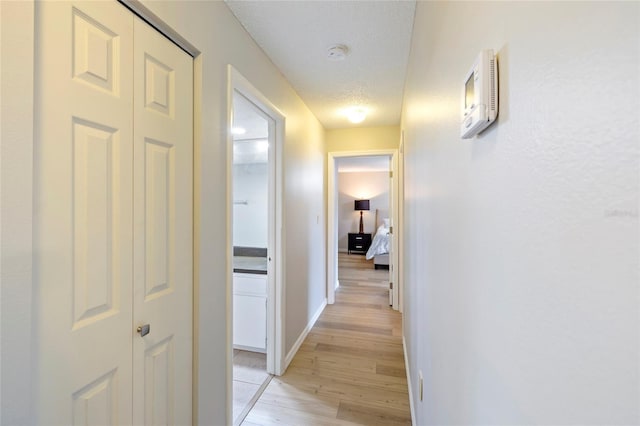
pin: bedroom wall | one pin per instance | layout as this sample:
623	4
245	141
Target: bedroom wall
521	287
212	29
250	185
373	186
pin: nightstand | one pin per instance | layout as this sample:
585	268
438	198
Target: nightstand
359	243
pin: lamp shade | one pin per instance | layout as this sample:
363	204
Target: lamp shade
361	205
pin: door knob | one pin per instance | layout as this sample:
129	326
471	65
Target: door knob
144	329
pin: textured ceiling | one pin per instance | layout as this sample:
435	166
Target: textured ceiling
297	34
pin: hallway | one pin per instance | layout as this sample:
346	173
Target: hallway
350	369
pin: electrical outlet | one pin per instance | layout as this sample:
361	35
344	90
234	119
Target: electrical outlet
420	384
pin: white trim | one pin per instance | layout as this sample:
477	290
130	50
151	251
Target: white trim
275	299
332	218
400	223
395	239
229	251
198	337
303	335
408	371
332	230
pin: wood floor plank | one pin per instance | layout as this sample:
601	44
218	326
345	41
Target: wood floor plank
285	395
363	341
372	416
267	415
353	327
332	388
371	380
350	369
360	305
355	351
388	370
339	363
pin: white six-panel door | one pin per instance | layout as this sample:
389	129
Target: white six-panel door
162	199
113	224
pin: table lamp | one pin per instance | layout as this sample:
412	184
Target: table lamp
361	205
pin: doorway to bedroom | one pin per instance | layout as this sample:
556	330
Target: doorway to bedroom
362	199
364	206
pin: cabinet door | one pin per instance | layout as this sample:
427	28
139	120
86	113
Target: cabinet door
250	321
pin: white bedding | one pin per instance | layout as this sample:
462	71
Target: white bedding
380	243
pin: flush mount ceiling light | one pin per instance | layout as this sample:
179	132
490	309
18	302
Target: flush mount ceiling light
238	131
337	52
356	115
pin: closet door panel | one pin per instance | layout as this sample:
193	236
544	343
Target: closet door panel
83	213
113	219
163	241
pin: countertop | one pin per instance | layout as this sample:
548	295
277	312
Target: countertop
250	265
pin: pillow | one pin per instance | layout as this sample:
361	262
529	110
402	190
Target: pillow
386	222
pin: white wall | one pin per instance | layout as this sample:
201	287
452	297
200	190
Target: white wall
214	31
522	303
250	184
373	186
304	219
16	208
363	138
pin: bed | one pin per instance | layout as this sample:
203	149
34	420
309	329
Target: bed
379	249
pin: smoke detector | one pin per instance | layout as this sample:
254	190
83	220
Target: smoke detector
337	52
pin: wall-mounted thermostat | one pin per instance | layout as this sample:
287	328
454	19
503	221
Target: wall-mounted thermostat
480	95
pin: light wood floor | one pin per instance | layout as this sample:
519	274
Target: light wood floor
350	368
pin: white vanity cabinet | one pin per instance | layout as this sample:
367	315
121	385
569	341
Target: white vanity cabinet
250	312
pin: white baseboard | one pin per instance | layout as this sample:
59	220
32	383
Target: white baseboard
406	368
303	336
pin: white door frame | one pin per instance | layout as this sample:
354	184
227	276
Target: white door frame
332	219
275	299
400	224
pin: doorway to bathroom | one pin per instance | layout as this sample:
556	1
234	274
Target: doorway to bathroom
250	240
256	130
